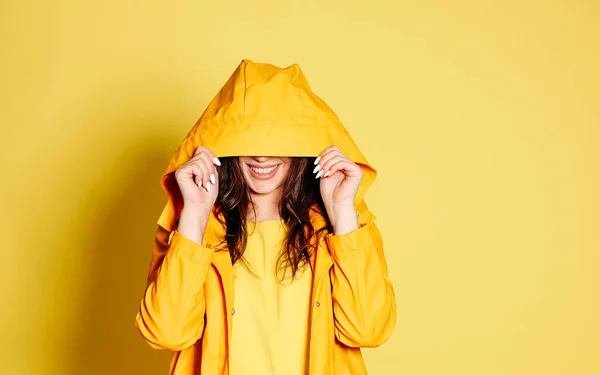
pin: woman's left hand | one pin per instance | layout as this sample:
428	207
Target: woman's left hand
340	178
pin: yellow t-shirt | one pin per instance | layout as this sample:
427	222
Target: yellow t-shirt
271	320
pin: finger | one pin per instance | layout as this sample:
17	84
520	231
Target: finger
190	171
211	168
326	151
211	156
204	167
197	172
329	160
208	166
344	165
326	158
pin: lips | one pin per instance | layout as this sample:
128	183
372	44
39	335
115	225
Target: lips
264	172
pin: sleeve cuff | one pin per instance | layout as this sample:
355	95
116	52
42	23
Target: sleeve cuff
188	249
360	238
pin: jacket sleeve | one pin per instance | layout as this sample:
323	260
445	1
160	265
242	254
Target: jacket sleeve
364	304
171	313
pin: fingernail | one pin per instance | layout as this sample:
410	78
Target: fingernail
317	168
319	174
207	186
200	184
317	160
212	179
326	174
217	162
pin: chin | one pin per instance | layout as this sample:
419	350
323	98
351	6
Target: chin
262	190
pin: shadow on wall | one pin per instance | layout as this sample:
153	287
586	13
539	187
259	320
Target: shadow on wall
107	341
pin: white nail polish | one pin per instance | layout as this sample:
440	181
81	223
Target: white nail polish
326	174
212	179
200	184
319	174
216	161
317	168
207	186
317	160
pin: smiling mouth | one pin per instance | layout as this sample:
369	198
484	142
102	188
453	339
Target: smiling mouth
264	172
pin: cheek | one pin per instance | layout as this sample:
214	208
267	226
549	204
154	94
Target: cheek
246	174
286	172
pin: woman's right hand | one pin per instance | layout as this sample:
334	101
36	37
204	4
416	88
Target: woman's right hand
198	180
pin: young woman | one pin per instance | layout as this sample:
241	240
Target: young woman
267	264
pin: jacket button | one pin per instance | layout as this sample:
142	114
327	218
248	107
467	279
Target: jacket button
232	311
318	303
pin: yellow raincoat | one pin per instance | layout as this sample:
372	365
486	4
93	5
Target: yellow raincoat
187	307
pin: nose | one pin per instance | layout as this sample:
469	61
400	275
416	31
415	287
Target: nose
260	159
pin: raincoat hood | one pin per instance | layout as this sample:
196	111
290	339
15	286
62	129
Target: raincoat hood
262	110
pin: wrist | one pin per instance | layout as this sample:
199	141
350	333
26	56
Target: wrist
193	221
196	212
344	219
338	209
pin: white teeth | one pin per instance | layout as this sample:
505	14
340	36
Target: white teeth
263	170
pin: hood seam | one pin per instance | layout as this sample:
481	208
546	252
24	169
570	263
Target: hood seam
245	90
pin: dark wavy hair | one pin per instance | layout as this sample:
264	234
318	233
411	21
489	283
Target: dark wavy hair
301	195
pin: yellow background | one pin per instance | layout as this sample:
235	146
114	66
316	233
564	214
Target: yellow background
482	119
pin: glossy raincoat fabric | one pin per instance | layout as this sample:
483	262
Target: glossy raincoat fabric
188	305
